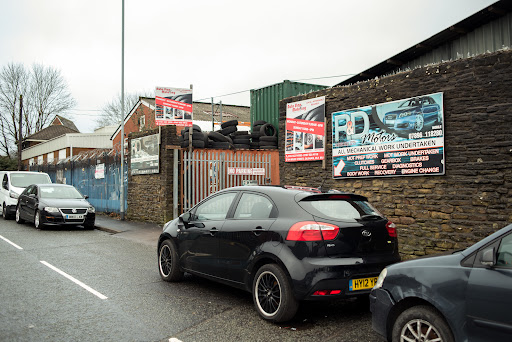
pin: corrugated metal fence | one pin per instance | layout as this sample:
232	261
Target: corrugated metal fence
204	172
95	174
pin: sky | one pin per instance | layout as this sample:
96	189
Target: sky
218	46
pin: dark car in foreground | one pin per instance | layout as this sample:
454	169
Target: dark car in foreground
282	245
464	296
54	205
414	114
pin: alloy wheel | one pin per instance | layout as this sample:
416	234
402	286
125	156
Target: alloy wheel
37	220
418	330
268	293
165	260
418	123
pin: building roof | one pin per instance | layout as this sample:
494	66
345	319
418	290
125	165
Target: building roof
50	132
454	32
64	122
201	112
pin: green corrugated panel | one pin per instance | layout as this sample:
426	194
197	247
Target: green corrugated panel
265	101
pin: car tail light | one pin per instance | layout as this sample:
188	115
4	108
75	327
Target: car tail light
391	227
312	231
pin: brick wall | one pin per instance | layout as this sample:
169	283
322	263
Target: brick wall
150	197
473	198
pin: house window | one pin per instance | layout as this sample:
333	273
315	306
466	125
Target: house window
31	161
40	160
62	154
49	157
142	123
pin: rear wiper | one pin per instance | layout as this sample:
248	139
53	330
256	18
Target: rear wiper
371	217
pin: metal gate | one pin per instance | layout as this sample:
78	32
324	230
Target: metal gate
204	172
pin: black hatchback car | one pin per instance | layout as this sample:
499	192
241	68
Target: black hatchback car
464	296
54	205
283	245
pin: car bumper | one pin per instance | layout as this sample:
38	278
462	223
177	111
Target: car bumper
327	274
381	304
57	220
10	209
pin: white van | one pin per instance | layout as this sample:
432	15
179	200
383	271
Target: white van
13	184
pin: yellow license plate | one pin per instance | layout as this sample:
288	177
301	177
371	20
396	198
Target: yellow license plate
362	283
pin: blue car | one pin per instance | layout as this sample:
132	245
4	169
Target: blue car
464	296
414	114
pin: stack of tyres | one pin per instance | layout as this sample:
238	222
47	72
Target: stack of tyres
264	136
241	140
221	139
199	138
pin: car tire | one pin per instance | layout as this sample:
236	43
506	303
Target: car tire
37	220
89	226
419	123
168	266
420	318
19	220
229	123
272	294
4	212
268	130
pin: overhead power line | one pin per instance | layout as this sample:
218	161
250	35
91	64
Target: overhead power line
303	79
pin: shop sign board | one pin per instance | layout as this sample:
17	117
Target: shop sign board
399	138
173	106
305	130
144	158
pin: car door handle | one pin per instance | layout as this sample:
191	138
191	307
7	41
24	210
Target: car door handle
258	230
213	231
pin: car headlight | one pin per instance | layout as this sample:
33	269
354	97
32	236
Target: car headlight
51	209
91	209
380	279
14	195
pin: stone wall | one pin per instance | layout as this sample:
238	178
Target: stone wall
150	197
473	198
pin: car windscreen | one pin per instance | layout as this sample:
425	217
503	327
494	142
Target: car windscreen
59	192
349	209
22	180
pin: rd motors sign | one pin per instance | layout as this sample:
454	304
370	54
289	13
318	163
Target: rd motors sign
404	137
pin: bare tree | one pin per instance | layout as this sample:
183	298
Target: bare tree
14	81
49	96
111	111
44	93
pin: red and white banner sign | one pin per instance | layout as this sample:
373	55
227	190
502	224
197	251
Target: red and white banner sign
246	171
173	106
305	130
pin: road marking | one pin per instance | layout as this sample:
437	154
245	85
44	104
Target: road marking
12	243
174	339
76	281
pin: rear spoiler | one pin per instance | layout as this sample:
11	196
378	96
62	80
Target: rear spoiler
304	196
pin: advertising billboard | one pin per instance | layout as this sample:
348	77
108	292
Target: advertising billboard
305	130
144	155
399	138
173	106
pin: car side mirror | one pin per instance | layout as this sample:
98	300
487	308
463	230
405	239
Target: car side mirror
185	218
488	257
86	197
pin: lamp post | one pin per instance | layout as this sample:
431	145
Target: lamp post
121	190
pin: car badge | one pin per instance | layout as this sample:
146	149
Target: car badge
366	233
73	211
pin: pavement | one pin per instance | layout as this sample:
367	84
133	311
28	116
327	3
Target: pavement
144	232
